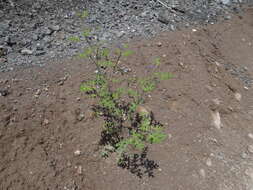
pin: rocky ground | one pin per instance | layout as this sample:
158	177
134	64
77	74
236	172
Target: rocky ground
33	32
49	138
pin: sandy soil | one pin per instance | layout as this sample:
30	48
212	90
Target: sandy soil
41	123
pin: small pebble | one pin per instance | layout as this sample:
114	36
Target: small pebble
209	88
244	155
169	136
209	162
202	173
79	170
238	96
46	121
249	172
250	148
68	164
77	153
159	44
250	135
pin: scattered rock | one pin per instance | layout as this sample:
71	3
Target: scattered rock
216	119
69	164
159	44
225	2
79	170
209	88
249	173
250	135
238	96
77	153
3	51
80	117
209	162
244	155
54	27
46	122
38	92
227	17
250	148
164	17
26	52
202	173
4	92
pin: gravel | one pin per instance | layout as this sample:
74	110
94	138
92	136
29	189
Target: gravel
42	34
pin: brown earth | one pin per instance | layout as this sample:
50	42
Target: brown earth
42	123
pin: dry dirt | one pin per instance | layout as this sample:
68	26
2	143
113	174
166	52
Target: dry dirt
42	123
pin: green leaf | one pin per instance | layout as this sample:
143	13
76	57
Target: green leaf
147	85
157	61
157	136
74	39
163	75
83	14
105	63
125	46
105	52
127	53
86	33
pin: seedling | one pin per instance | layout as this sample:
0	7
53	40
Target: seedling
118	99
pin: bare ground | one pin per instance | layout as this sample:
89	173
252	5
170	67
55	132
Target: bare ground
41	123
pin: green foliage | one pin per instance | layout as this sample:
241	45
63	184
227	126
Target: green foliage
127	53
118	106
86	33
163	75
74	39
157	61
83	14
147	85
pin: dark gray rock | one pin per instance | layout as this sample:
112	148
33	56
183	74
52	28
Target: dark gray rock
164	17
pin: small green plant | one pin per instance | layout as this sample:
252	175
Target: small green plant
147	85
157	61
74	39
83	14
118	98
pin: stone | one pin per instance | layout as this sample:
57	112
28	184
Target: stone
209	162
216	119
4	92
159	44
202	173
46	122
3	51
250	148
26	52
250	135
225	2
54	27
77	153
209	88
79	170
80	117
244	155
238	96
164	17
249	173
227	17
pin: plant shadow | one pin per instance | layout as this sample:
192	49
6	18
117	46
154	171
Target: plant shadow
139	164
